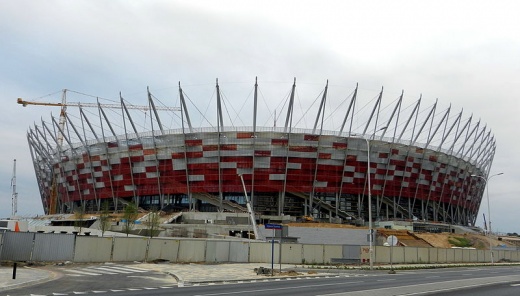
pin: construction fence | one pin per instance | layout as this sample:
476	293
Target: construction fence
52	247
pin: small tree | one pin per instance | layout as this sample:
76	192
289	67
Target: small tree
79	216
104	218
153	222
129	215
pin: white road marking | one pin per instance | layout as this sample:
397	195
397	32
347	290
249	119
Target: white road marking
132	269
277	289
112	270
81	272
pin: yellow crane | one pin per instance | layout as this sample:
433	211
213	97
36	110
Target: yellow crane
64	104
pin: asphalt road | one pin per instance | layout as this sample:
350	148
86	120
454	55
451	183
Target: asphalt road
91	279
496	281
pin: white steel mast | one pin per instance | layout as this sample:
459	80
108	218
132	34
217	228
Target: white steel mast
14	205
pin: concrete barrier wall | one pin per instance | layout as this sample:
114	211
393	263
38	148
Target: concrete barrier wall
192	251
47	247
93	249
129	249
292	253
399	255
239	251
473	256
217	251
423	255
260	252
442	255
164	249
458	255
450	255
313	254
433	255
382	254
410	255
331	251
481	255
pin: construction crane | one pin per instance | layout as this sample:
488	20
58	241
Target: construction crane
94	105
64	104
53	203
14	204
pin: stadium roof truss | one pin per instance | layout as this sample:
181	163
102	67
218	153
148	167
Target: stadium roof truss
420	160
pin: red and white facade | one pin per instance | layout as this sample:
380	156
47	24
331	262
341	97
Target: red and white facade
286	170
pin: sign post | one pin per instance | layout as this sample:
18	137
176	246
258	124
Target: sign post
273	227
392	241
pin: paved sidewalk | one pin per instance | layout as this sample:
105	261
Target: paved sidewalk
200	273
184	274
25	276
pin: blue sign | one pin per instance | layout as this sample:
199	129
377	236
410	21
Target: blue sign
273	226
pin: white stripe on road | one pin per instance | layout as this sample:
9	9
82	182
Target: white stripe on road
81	272
112	270
132	269
277	289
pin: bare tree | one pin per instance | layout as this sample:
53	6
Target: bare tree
104	218
153	221
79	216
129	216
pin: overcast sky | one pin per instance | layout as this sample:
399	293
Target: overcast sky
463	53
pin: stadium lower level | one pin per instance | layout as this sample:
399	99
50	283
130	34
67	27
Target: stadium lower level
297	173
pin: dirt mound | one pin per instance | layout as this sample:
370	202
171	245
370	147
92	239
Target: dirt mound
448	240
322	225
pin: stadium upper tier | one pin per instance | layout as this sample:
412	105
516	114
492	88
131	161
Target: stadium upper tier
412	163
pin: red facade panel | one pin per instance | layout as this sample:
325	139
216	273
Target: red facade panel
280	142
339	146
196	142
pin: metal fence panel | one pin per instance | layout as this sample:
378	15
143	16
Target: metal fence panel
17	246
53	247
352	252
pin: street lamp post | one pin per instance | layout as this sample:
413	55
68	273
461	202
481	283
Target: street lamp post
370	229
488	210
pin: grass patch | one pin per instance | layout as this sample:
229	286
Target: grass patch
460	242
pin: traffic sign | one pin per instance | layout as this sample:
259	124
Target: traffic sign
273	226
392	240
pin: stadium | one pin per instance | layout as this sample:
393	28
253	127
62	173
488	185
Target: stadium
358	158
